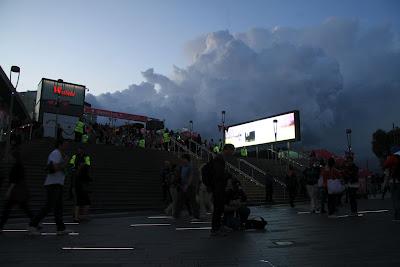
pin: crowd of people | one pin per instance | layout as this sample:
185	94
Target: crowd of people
187	184
205	189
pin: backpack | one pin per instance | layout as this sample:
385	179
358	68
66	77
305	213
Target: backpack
207	174
256	224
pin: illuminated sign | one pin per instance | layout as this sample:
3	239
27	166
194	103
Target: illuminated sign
59	91
54	90
279	128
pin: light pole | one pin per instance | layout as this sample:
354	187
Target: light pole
223	126
14	69
275	133
58	104
191	129
348	135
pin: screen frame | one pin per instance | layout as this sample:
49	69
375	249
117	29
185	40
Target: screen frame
296	123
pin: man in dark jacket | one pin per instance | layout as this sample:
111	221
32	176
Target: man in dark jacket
17	193
220	178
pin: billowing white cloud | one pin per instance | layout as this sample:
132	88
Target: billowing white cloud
338	74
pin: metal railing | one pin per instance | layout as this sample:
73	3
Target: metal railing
281	156
245	168
202	153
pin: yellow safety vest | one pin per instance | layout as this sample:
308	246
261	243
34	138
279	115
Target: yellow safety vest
243	152
142	143
166	138
73	160
79	127
85	138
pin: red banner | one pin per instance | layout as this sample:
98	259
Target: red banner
116	115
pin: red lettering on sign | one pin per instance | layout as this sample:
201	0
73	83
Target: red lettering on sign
59	91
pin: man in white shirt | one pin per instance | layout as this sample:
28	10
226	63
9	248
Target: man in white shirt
54	186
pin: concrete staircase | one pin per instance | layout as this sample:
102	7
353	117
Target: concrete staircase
125	179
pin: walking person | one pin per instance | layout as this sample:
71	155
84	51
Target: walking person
333	184
218	176
186	189
165	178
322	188
79	130
292	185
80	164
173	183
17	193
311	175
54	184
393	164
350	175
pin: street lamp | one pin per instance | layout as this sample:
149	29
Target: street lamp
191	129
223	126
58	105
276	129
348	135
14	69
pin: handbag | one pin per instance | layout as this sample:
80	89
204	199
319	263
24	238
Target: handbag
335	186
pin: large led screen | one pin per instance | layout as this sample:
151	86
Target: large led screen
285	126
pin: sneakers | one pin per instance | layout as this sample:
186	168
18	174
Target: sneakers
32	230
65	232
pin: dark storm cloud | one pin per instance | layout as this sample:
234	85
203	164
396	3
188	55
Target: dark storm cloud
338	74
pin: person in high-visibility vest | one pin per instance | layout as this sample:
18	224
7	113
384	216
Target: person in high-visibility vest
243	152
79	130
166	140
80	164
216	149
142	142
85	138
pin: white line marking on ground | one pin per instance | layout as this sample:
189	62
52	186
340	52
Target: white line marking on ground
56	234
200	222
304	212
15	230
69	223
372	211
160	217
192	228
149	224
89	248
267	262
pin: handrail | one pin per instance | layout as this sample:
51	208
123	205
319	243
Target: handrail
262	172
286	158
238	169
188	151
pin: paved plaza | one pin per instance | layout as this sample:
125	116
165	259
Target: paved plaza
293	238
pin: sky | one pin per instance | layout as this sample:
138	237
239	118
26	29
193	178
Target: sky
105	45
336	61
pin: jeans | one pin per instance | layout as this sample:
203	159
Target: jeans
332	203
218	202
352	192
292	195
7	210
234	222
312	191
187	198
395	191
322	197
171	209
54	202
